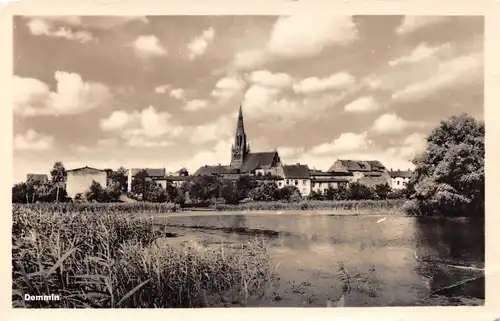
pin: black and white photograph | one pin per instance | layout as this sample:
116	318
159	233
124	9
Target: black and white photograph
228	161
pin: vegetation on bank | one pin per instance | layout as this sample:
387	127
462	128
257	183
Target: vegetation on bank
114	261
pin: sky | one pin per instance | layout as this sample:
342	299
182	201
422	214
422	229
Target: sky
164	91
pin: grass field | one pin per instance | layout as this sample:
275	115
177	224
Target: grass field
99	256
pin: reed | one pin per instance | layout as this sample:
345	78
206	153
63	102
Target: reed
115	260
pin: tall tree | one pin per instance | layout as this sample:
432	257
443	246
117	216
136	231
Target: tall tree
449	174
139	183
58	176
120	176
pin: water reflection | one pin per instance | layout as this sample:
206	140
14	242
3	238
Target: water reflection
395	262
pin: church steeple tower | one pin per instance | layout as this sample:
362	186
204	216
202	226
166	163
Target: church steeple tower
240	148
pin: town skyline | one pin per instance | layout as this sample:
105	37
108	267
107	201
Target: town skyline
165	91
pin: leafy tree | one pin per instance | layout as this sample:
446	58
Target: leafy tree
316	195
183	172
154	192
265	191
229	192
382	191
120	176
20	193
449	176
358	191
338	193
172	193
95	192
138	185
58	177
289	193
113	191
244	185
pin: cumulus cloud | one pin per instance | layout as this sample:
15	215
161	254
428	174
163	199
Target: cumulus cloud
250	59
219	129
227	87
178	93
72	95
46	27
199	45
421	52
258	97
459	70
32	141
107	142
162	89
195	105
364	104
307	35
413	23
346	142
147	125
149	46
341	80
389	124
266	78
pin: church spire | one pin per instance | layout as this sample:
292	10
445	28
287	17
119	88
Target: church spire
240	127
240	148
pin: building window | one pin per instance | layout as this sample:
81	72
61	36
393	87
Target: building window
287	182
279	184
397	183
304	182
296	182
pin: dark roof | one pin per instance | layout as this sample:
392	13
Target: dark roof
296	171
403	174
215	170
372	181
84	168
263	160
180	178
314	173
37	177
360	166
374	174
152	172
328	179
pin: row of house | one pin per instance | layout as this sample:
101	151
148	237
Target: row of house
260	165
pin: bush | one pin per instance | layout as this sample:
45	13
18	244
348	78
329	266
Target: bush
113	260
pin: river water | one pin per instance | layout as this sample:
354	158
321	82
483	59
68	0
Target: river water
389	261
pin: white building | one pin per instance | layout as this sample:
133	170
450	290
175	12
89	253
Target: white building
400	178
295	175
79	180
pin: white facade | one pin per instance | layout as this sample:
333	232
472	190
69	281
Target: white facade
79	180
399	182
303	184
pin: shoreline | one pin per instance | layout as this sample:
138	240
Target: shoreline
331	212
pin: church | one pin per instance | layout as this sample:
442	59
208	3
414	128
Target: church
243	161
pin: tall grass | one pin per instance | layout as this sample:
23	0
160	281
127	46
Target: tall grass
100	207
111	260
386	205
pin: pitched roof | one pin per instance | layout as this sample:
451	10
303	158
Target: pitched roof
328	179
296	171
37	177
360	166
316	173
402	174
255	161
85	168
215	170
373	181
152	172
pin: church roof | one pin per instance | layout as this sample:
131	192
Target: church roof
255	161
296	171
215	170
